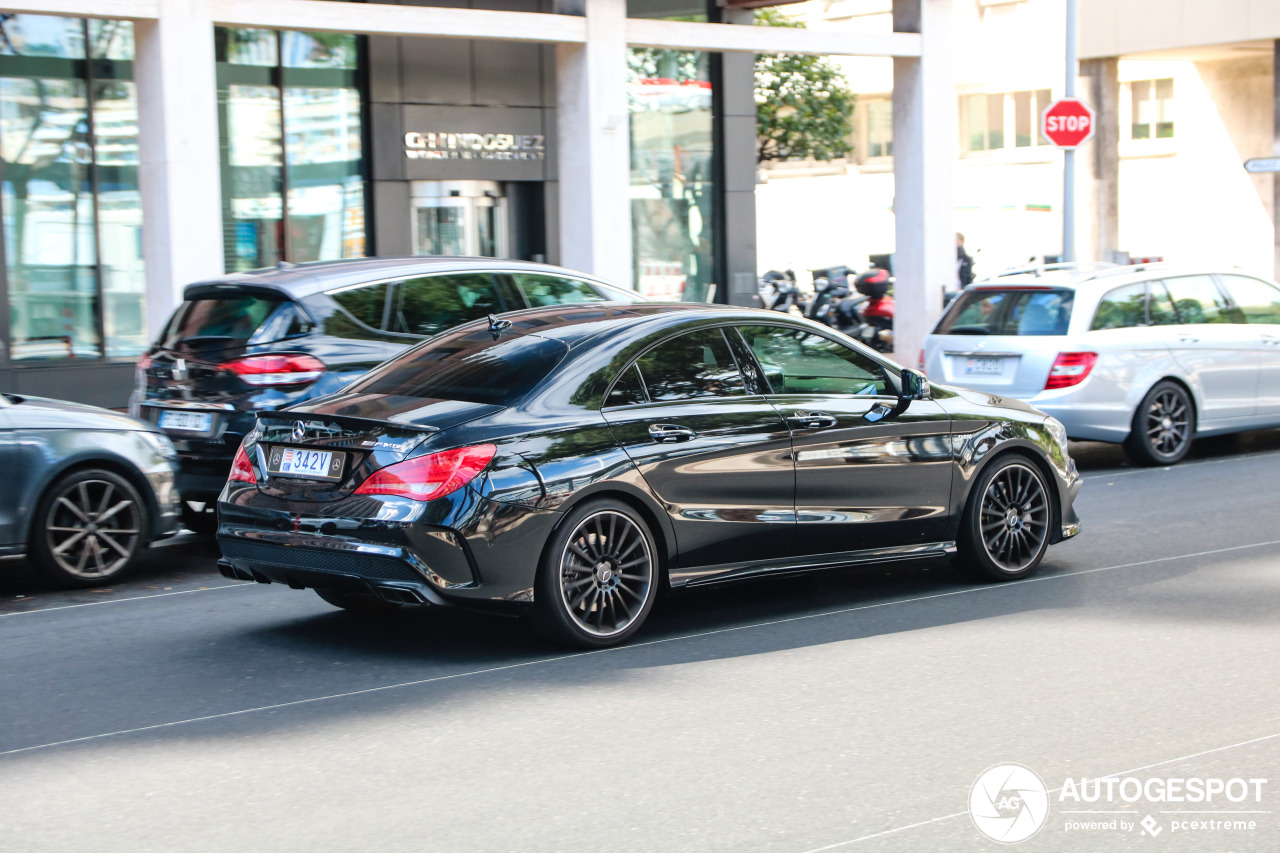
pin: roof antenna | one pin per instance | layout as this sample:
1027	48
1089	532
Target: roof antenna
497	326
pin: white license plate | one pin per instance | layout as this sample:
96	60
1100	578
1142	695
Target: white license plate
186	421
988	366
301	462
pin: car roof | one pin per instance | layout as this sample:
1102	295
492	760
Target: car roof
1099	275
302	280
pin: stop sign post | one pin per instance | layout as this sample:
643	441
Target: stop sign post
1068	123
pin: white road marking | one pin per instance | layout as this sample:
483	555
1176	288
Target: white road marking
1129	772
632	646
122	600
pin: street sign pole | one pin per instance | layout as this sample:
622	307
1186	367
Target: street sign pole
1069	161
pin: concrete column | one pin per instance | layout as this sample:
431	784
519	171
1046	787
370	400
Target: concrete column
1275	150
593	135
924	154
178	150
738	153
1103	80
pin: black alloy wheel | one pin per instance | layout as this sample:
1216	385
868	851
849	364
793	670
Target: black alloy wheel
1163	426
1005	530
88	529
598	577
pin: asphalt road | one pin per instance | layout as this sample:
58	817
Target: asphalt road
847	711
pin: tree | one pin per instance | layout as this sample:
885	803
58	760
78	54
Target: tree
804	107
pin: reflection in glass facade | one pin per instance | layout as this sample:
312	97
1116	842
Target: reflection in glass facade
672	174
292	156
71	209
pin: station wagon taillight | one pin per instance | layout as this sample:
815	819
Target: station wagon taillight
426	478
242	468
1070	368
276	371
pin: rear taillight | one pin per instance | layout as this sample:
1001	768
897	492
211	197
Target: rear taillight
144	362
1070	368
428	477
920	360
277	370
242	468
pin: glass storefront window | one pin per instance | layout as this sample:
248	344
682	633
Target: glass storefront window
672	174
293	163
74	277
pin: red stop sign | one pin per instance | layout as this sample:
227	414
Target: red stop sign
1067	123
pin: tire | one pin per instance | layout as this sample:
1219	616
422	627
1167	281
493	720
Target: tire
88	529
598	578
362	604
1163	426
200	522
1004	532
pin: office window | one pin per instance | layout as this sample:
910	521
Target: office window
982	122
1152	108
879	123
71	208
291	116
1027	109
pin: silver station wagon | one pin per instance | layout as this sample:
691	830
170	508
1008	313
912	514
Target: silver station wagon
1149	356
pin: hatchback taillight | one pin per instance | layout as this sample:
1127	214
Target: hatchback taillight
1070	368
277	370
426	478
242	468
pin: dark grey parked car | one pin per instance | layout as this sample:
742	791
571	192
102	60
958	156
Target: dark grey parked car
87	488
262	340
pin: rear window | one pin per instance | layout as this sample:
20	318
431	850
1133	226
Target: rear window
214	322
469	366
990	311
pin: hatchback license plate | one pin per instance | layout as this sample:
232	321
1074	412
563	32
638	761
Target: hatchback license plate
988	366
186	421
301	462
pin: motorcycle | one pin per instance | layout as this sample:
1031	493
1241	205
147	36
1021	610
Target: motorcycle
870	315
830	288
777	291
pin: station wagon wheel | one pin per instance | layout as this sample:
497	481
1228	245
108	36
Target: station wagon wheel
88	529
1005	530
1163	426
598	579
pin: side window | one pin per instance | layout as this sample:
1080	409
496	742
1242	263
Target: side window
366	305
800	362
1122	308
1161	305
431	304
628	390
1198	300
1258	301
542	290
697	364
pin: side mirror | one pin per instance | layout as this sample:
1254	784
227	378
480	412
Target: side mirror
915	386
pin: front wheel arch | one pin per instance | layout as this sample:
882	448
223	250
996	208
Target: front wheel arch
1041	464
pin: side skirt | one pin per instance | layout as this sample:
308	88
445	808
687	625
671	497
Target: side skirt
706	575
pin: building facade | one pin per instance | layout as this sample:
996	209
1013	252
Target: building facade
1184	93
150	143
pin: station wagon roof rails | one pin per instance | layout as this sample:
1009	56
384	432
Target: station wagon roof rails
1040	269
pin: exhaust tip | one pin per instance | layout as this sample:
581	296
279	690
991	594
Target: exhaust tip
401	595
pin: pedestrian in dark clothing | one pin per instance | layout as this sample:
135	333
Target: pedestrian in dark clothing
964	263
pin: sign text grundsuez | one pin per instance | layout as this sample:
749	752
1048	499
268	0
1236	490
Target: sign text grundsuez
474	146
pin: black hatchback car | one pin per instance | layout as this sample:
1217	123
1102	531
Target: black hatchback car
261	340
573	462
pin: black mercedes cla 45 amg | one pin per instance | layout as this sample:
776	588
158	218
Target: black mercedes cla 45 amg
574	462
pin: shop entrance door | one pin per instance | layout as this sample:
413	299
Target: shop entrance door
459	218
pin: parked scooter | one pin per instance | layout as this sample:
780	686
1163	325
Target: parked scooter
777	291
870	315
830	288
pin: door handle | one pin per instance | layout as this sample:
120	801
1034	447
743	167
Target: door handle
1271	341
1187	339
670	433
812	420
